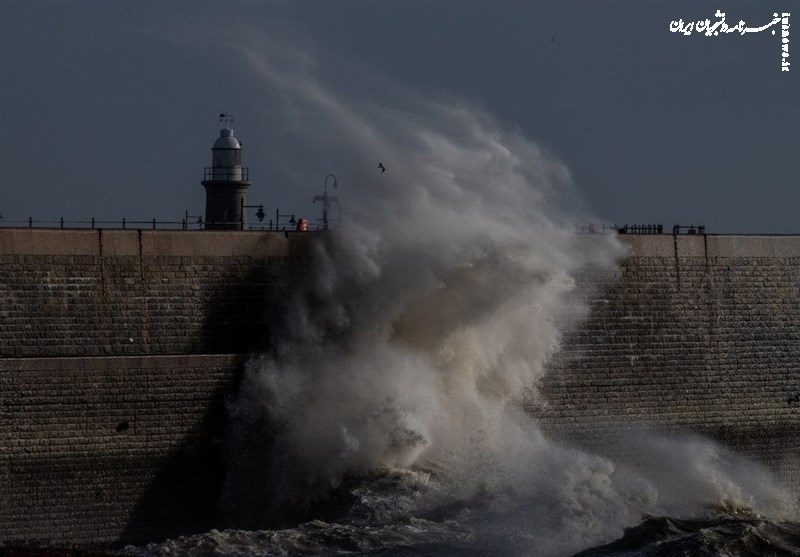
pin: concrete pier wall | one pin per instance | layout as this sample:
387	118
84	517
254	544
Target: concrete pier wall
118	350
692	334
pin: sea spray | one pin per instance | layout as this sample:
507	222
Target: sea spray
422	320
462	224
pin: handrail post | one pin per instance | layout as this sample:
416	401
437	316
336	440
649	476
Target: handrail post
154	224
123	223
30	222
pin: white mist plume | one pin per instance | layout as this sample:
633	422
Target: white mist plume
431	311
435	305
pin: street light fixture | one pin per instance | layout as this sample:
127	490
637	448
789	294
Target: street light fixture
278	216
259	214
327	200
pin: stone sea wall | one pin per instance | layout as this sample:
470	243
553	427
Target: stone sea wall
117	352
119	349
120	293
97	450
692	334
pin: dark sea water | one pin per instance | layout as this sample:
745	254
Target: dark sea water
654	537
722	536
399	513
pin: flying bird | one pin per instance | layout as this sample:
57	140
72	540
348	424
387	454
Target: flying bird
383	168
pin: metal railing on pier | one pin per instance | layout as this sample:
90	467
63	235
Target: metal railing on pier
193	223
592	228
640	229
124	223
637	229
691	229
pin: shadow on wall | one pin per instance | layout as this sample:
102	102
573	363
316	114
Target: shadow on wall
183	496
241	309
264	486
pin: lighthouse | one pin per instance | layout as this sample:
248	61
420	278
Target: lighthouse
226	182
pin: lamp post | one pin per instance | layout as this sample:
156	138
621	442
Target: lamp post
327	200
259	213
278	217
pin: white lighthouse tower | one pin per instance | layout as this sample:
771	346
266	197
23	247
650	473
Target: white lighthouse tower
226	182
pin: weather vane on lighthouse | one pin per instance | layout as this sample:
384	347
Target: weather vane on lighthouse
226	118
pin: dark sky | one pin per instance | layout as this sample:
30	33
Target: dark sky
110	109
